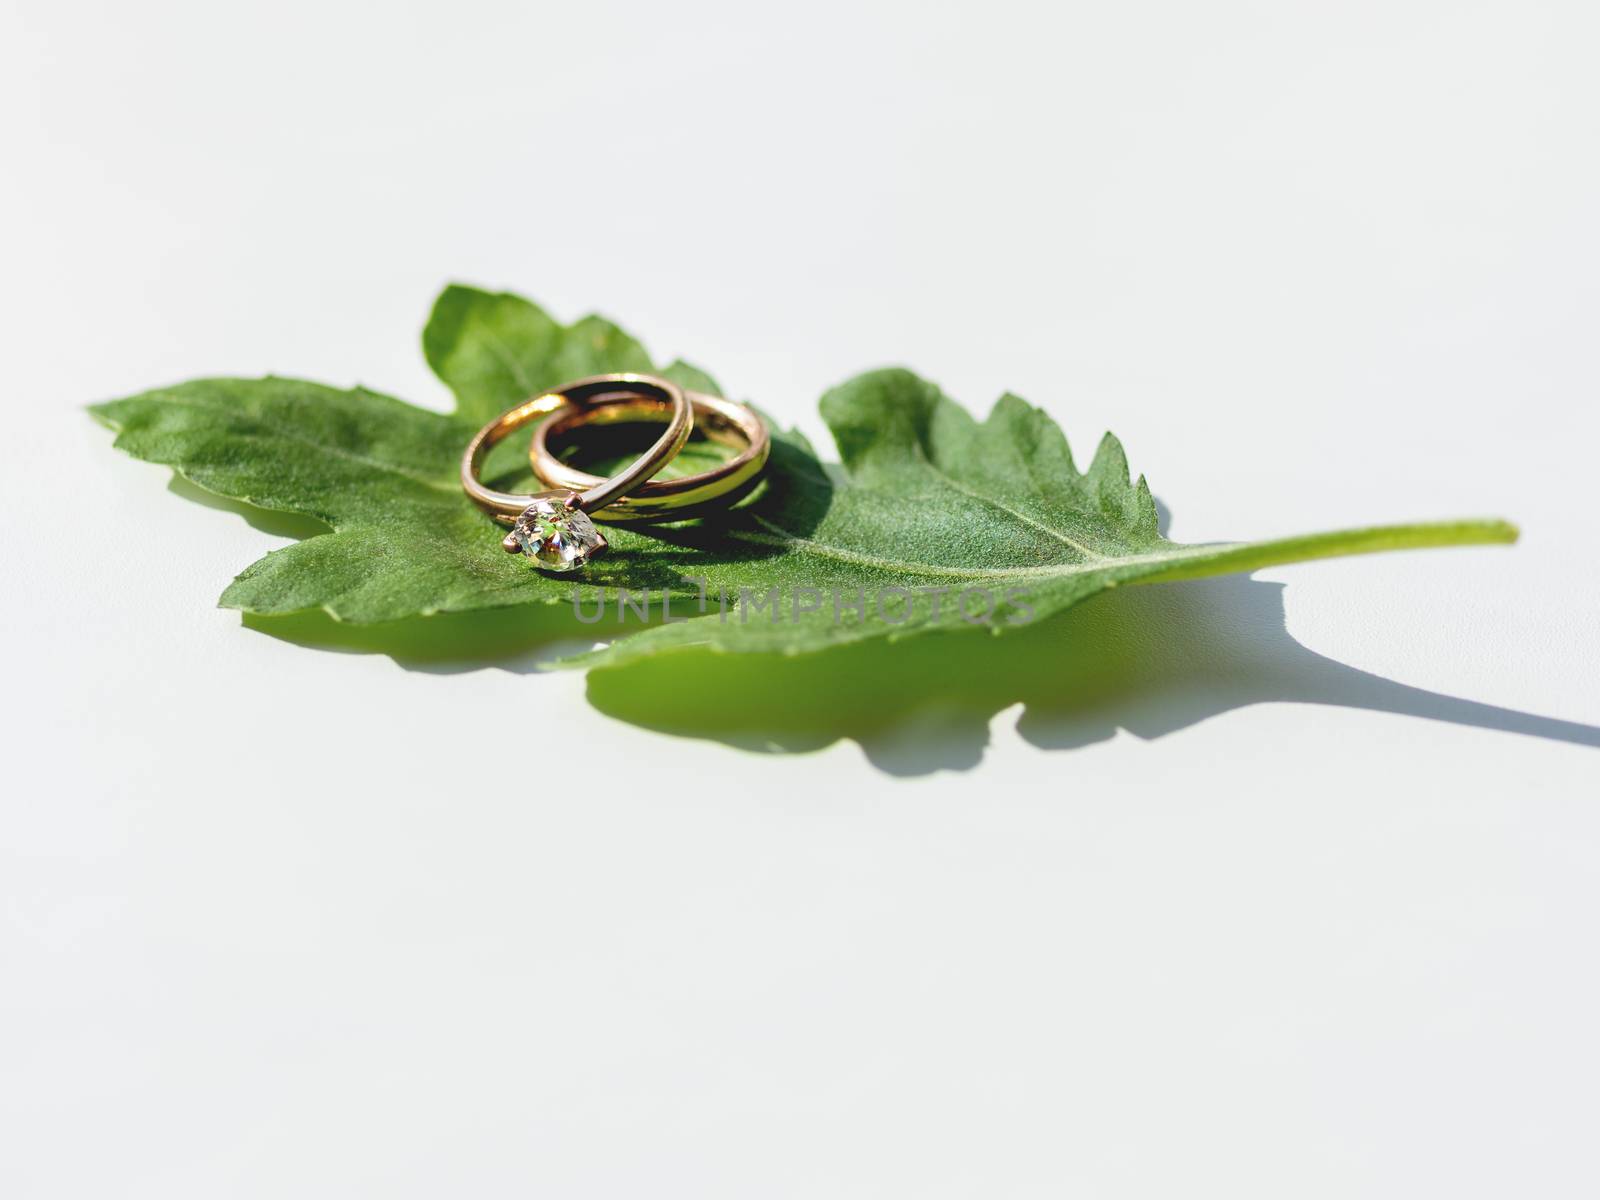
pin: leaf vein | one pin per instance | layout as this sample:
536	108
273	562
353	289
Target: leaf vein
503	352
778	536
951	481
335	451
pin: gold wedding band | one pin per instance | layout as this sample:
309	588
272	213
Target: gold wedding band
554	527
722	421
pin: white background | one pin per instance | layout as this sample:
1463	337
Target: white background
280	921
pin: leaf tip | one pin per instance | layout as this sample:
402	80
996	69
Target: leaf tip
102	413
1147	517
1110	463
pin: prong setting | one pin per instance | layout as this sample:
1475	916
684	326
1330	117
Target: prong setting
557	534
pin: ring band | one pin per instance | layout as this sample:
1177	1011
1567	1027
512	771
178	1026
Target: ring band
723	421
554	527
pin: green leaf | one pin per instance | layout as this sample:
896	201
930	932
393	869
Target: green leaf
932	521
494	349
987	520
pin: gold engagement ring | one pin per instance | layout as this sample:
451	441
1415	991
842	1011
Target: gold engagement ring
556	528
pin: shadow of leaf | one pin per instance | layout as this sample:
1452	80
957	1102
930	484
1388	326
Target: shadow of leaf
1150	660
269	521
523	638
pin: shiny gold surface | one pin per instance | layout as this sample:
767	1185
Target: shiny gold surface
659	395
665	499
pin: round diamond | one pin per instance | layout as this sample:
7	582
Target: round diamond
556	537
